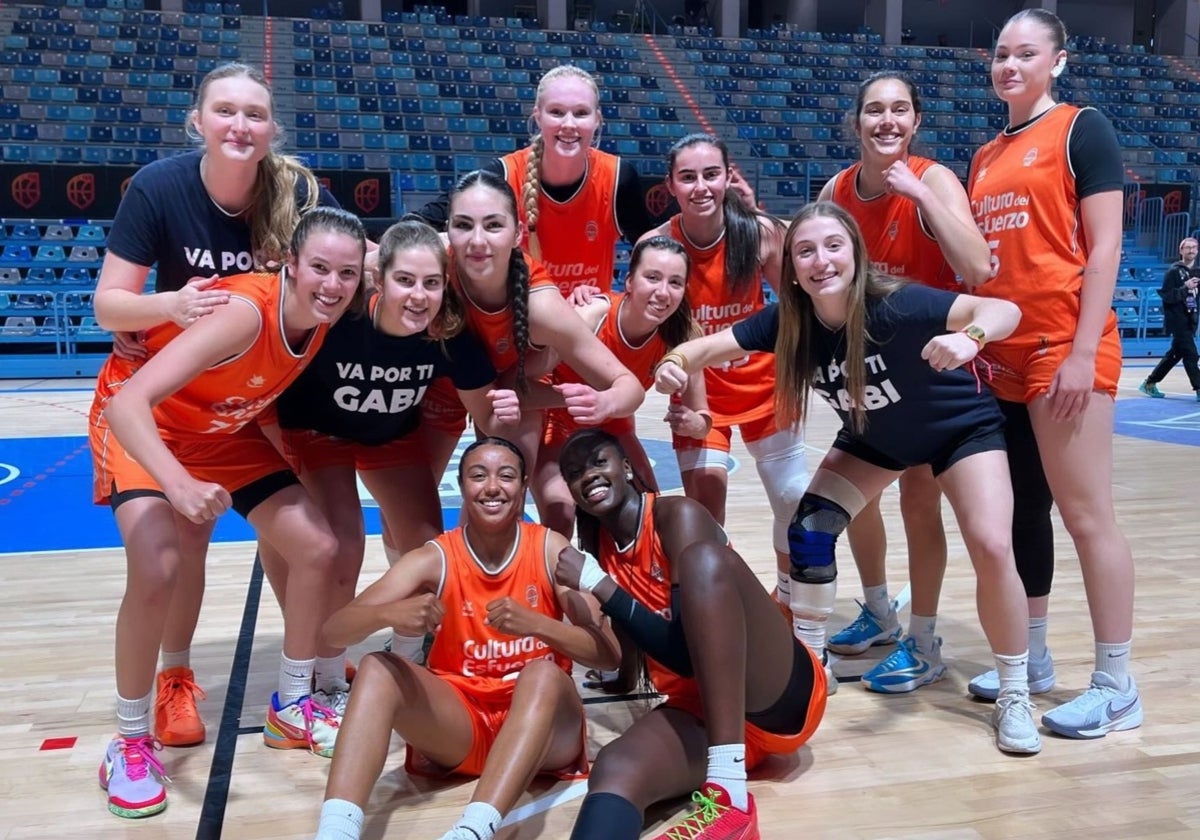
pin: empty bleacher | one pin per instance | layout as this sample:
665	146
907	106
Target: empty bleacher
426	96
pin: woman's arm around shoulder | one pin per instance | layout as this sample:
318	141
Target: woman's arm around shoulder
405	599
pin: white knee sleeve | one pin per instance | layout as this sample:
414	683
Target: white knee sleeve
783	469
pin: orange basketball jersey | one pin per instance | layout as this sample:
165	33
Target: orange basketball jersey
1023	198
495	328
639	360
897	240
471	655
644	570
578	237
227	396
743	390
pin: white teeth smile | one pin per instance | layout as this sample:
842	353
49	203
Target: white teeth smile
596	492
492	503
328	300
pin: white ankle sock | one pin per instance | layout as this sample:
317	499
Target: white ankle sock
340	820
727	767
1013	671
329	669
409	647
133	716
877	600
921	628
295	679
481	818
1037	637
1114	661
176	658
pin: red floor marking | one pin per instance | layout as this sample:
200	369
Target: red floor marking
57	744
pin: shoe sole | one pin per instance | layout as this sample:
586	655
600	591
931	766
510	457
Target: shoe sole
279	740
132	813
1020	748
861	647
169	740
930	676
1121	724
1035	687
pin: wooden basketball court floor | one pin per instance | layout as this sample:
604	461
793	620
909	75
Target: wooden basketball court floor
921	765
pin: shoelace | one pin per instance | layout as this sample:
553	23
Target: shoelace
311	710
178	695
708	809
1007	702
140	758
986	375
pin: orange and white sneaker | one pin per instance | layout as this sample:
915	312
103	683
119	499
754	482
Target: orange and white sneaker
715	818
303	724
177	721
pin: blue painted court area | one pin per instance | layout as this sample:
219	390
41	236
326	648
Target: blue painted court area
1170	420
46	497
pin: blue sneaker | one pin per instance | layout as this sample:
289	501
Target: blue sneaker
1150	389
1103	708
906	668
986	686
866	630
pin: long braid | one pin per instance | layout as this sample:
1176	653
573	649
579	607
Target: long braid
529	193
518	299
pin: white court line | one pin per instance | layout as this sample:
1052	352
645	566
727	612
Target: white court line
904	597
547	802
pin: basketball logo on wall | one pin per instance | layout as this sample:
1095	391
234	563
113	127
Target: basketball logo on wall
81	190
366	194
657	200
27	189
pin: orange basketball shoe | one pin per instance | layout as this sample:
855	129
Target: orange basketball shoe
177	721
715	818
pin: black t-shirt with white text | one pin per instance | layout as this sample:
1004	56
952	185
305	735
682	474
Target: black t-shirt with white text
366	386
167	219
912	411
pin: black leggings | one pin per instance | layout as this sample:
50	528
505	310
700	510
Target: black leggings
1032	532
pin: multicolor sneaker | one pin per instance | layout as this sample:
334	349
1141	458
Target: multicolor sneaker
906	668
866	630
336	698
1041	679
1013	719
133	776
1150	389
177	721
1103	708
302	724
715	818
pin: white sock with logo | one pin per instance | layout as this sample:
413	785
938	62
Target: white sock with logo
877	601
727	767
783	587
133	716
1013	671
1114	660
295	679
921	628
481	818
340	820
330	672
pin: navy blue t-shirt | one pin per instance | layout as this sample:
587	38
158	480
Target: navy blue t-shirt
366	386
168	219
913	412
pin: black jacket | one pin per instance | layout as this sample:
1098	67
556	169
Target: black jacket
1176	315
